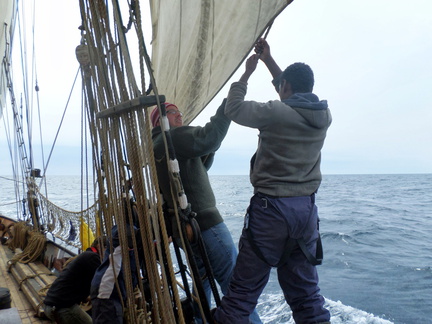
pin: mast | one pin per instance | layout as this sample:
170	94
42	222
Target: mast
26	167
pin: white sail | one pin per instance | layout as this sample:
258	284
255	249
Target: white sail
198	44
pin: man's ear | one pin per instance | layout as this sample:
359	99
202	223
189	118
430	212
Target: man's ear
286	86
285	90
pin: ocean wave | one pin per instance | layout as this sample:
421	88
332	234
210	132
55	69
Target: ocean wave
274	310
343	314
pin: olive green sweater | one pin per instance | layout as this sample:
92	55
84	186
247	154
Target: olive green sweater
194	148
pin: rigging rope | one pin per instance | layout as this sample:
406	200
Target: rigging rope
182	201
112	75
61	122
125	166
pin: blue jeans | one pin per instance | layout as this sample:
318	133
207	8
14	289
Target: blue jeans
222	255
272	221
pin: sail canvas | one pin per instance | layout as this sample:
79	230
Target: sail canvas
198	45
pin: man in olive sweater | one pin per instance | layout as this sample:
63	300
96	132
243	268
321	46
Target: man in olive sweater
195	148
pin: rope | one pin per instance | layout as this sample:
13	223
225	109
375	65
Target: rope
43	291
126	151
19	239
58	129
33	250
158	217
268	29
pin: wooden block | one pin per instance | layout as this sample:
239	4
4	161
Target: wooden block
28	275
35	301
43	273
19	299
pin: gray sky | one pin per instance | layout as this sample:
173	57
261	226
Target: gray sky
371	61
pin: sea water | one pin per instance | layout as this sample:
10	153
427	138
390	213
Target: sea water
377	239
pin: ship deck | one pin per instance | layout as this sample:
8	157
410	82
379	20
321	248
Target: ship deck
21	308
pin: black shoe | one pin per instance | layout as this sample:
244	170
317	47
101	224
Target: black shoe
212	312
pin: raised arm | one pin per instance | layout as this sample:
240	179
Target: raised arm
262	48
251	64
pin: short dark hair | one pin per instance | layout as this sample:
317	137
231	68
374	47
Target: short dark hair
101	239
300	76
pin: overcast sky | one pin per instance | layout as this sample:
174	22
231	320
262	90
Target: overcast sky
372	63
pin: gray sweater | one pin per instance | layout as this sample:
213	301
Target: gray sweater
291	135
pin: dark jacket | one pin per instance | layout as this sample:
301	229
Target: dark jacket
73	284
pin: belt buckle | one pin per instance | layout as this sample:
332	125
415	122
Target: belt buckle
263	202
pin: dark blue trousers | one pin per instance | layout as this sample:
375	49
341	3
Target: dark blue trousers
272	222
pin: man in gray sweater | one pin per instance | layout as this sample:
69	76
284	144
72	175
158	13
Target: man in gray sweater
281	225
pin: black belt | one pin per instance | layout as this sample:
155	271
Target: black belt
276	197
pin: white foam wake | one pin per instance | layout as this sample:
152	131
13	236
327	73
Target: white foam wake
274	310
